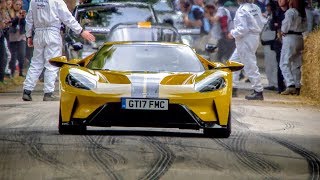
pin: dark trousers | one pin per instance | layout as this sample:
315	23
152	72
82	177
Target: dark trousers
277	45
18	52
225	49
3	58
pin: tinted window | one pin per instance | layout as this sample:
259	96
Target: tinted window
144	34
109	16
147	57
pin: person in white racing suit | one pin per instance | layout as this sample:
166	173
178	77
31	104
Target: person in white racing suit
293	25
45	18
248	23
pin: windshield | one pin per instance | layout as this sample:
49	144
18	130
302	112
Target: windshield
146	57
160	34
109	16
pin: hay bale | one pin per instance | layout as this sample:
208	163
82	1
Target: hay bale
311	67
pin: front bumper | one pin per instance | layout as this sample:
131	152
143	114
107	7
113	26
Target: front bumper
111	114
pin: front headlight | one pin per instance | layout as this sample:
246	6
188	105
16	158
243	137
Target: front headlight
211	85
80	81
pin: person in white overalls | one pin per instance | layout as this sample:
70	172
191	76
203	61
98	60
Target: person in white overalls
45	18
248	24
293	25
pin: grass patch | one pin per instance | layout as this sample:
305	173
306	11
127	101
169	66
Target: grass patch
11	84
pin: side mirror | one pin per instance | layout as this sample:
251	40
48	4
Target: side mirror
210	48
168	21
60	61
77	46
234	66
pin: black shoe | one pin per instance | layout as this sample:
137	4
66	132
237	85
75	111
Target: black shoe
26	95
234	92
298	91
21	74
271	88
50	97
291	90
247	81
255	96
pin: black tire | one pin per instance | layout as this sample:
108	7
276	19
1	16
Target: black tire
70	129
219	132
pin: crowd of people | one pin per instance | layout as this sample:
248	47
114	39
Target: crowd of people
238	28
13	49
279	25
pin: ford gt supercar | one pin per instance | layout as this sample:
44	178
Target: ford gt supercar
145	84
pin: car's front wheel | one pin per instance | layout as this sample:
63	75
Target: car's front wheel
70	129
219	132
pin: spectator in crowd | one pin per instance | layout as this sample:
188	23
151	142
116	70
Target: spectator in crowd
248	24
222	23
8	57
309	15
194	17
3	61
210	11
47	42
268	36
9	8
275	24
25	5
17	38
232	7
29	50
7	12
293	25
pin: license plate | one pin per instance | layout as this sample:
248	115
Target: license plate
144	104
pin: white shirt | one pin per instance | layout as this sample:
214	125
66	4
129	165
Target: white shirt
293	22
248	20
50	14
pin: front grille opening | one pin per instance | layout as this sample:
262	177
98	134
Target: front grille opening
112	115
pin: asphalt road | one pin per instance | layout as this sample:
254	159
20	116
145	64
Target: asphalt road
273	139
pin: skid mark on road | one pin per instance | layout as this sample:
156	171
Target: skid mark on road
28	121
38	152
31	141
250	160
312	159
104	156
191	155
164	159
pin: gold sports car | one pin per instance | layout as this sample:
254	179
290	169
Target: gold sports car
145	84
